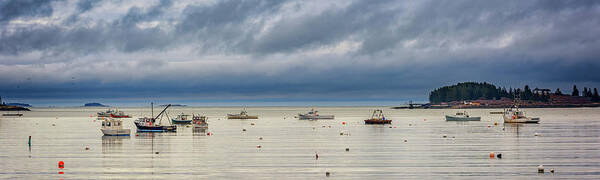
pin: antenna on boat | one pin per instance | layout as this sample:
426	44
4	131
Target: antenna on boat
152	108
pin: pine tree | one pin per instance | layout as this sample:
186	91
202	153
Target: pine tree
585	92
557	92
575	91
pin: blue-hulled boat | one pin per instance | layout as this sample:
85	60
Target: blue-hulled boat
146	124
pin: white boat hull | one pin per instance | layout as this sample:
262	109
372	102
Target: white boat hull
316	117
509	119
116	132
455	118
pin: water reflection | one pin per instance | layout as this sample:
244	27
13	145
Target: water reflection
113	143
199	131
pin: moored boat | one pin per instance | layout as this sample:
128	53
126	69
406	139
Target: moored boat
106	113
13	114
312	114
515	115
113	127
119	114
462	116
148	124
241	115
199	121
378	118
181	119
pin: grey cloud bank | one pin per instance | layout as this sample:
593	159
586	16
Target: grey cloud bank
291	49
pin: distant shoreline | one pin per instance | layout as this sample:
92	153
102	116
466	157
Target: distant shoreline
12	108
500	106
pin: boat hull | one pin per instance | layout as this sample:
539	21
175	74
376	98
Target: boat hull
241	117
119	116
142	128
15	115
316	117
521	120
175	121
116	132
377	121
454	118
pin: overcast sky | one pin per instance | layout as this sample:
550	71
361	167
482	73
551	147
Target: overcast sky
290	50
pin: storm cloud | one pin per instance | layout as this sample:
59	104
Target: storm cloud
291	49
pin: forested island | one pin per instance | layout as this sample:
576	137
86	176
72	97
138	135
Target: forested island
476	94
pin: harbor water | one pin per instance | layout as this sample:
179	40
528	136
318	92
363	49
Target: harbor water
419	143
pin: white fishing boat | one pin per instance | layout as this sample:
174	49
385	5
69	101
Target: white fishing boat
241	115
113	127
515	115
182	119
199	121
314	115
462	116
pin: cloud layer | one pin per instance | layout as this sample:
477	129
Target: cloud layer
291	49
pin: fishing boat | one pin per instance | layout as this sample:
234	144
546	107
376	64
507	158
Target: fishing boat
378	118
181	119
241	115
148	124
113	127
13	114
199	121
462	116
515	115
312	114
106	113
113	114
119	114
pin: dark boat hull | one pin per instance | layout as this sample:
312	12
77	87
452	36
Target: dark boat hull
377	121
181	121
142	128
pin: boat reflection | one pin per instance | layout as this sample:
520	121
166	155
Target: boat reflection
199	131
112	143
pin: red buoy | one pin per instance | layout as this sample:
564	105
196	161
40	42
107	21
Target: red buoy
344	123
61	164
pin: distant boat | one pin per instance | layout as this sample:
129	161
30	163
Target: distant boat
462	116
312	114
148	124
378	118
199	121
181	119
113	114
241	115
119	114
515	115
13	114
105	113
114	127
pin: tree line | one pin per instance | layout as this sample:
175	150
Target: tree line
475	90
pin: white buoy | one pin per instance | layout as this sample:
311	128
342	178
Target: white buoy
541	169
536	134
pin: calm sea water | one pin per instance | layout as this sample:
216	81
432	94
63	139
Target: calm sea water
414	147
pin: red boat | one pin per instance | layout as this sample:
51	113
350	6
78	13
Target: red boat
119	114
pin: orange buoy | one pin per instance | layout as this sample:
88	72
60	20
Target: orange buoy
492	155
61	164
60	172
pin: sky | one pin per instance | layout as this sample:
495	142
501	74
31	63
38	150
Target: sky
133	52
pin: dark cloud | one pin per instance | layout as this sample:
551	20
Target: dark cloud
11	9
294	48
